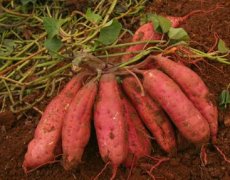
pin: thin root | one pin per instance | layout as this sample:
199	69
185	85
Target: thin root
203	11
152	167
150	174
138	81
131	169
104	168
114	173
203	155
216	37
158	164
31	170
222	154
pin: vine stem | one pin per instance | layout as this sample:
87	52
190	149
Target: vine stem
5	65
13	13
7	58
9	92
130	10
137	57
138	81
31	105
210	56
104	21
129	44
20	62
37	81
13	81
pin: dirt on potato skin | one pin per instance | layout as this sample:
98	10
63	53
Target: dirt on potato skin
186	164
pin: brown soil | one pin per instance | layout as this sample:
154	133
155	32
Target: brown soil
16	133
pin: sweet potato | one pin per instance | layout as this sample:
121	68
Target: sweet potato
144	33
131	51
109	122
194	88
76	125
151	114
139	144
189	121
179	20
48	132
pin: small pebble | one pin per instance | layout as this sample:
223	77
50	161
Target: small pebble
227	120
3	129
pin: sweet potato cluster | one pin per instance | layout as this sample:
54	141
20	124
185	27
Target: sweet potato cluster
153	101
163	96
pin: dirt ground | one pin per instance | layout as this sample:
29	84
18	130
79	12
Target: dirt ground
186	164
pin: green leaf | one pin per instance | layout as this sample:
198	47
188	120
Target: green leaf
92	17
109	23
156	23
178	34
160	23
224	98
110	33
228	99
52	26
222	48
25	2
53	45
147	18
154	19
7	47
165	24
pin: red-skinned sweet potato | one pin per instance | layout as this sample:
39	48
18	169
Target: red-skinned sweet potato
76	125
139	144
47	135
194	88
151	114
179	20
145	32
189	121
109	122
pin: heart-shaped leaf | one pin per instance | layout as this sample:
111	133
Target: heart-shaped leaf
52	26
53	45
178	34
93	17
224	98
222	48
110	33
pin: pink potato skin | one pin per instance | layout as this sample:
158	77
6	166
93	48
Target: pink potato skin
76	125
47	136
181	110
194	88
109	122
138	138
179	20
145	32
176	21
151	114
